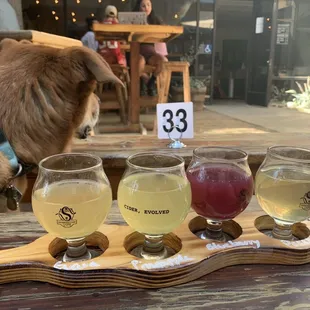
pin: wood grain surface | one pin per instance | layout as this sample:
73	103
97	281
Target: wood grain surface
240	287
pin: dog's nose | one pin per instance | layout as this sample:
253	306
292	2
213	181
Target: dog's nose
85	133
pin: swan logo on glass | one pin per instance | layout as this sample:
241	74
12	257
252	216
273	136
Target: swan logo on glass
66	217
305	202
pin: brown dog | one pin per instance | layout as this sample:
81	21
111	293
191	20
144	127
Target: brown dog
46	97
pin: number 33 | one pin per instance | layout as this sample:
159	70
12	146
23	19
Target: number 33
168	114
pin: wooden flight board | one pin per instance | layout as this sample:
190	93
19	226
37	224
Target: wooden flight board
194	258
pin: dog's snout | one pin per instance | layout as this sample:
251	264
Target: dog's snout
85	133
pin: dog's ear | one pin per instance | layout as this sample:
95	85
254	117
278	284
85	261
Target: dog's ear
96	65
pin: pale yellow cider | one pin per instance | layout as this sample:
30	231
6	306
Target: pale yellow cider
154	203
72	208
284	193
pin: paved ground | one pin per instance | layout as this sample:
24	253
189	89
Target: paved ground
224	117
272	118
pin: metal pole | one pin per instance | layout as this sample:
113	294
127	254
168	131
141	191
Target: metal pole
213	50
197	36
272	49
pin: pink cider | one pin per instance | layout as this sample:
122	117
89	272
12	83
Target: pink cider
220	192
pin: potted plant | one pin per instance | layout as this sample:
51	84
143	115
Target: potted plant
301	100
198	86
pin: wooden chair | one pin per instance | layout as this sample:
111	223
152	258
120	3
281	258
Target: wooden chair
115	99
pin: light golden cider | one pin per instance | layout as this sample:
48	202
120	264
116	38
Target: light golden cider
72	208
284	193
154	203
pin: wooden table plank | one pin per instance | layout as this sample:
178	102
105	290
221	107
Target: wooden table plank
42	38
114	149
240	287
138	33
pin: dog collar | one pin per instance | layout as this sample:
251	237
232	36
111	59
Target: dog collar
18	166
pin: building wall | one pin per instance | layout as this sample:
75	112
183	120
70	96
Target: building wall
17	5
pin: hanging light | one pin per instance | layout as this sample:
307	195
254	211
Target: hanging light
56	17
53	12
72	13
99	1
74	20
92	14
78	1
176	16
37	2
56	1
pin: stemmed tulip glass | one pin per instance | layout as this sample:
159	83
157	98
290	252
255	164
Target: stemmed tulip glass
222	187
71	198
282	188
154	198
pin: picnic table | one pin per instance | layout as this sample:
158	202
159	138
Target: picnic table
245	287
135	35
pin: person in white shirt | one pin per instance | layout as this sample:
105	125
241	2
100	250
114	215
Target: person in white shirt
89	39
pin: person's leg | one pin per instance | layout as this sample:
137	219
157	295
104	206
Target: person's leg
143	77
156	61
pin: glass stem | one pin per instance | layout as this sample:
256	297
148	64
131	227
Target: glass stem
214	230
76	250
153	246
282	231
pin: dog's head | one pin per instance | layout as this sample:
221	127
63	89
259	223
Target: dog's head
47	96
91	118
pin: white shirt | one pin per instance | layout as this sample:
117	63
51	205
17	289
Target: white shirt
89	40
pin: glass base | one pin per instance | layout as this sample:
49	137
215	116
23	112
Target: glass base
280	231
213	232
77	251
153	247
206	235
140	253
269	233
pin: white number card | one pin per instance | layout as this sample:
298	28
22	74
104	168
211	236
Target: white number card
175	120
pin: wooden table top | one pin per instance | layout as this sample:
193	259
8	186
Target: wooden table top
137	33
261	287
114	149
43	38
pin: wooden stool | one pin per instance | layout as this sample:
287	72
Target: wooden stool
165	80
169	68
108	101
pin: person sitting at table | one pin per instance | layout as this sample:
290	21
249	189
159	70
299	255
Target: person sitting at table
110	50
89	39
148	53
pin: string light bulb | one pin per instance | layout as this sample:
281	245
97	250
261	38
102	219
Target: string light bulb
92	14
78	1
99	1
72	13
74	20
53	12
56	1
176	16
56	17
37	2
